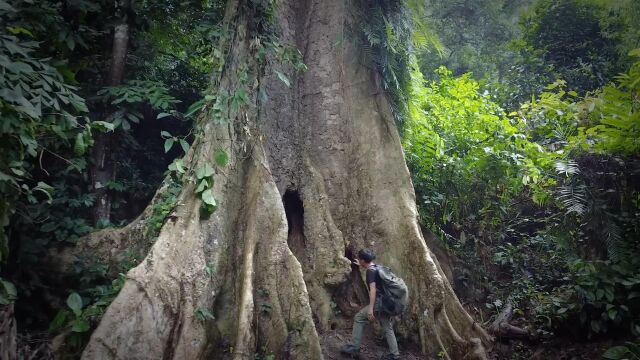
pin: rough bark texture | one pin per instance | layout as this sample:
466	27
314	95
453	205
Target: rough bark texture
7	333
329	145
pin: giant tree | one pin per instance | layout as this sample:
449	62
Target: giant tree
289	174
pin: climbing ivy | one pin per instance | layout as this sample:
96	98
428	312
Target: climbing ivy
161	208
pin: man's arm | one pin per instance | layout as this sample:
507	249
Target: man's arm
372	300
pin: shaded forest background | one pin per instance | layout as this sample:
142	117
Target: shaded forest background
519	122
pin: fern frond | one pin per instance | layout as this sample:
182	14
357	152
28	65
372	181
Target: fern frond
567	167
612	235
574	198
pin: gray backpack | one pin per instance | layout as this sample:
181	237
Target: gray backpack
395	293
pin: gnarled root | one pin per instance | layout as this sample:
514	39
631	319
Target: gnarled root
109	247
501	327
452	344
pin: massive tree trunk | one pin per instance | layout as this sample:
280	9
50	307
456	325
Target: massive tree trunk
316	172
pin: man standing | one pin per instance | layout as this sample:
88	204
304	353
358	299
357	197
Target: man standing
372	311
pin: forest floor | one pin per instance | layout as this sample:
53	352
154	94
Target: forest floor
558	349
373	347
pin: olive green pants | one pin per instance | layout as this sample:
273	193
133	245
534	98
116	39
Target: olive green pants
362	318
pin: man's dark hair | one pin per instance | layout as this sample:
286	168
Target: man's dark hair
366	255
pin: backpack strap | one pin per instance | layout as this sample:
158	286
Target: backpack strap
376	268
379	281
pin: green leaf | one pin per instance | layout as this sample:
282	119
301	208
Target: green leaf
8	292
59	320
78	103
18	30
74	302
239	98
184	145
18	172
6	177
14	47
177	166
204	171
283	78
19	67
203	314
79	147
609	294
70	43
165	134
221	158
162	115
134	118
616	353
207	197
44	187
204	184
80	326
125	125
4	6
102	126
633	295
49	227
29	109
168	144
195	107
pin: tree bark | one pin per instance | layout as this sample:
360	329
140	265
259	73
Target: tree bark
330	141
103	167
8	342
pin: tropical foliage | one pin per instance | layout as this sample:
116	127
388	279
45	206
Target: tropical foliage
533	184
56	101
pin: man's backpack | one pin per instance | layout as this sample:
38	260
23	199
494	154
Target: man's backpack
395	293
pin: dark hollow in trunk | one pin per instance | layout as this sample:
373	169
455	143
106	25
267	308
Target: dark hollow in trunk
294	210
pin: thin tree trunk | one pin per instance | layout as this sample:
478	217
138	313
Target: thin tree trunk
103	167
330	141
102	171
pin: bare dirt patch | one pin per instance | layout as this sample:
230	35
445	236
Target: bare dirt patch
373	347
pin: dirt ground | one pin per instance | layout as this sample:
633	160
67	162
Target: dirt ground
558	349
373	347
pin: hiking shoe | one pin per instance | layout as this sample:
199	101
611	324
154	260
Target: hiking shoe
350	350
391	357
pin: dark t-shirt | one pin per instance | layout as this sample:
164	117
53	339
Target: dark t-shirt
372	276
